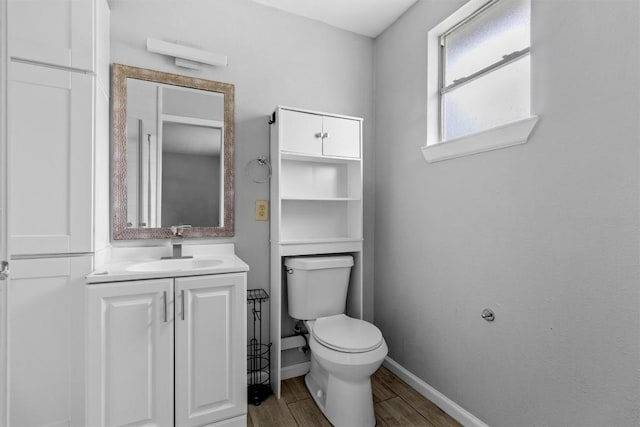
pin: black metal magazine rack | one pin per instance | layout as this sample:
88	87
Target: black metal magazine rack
258	354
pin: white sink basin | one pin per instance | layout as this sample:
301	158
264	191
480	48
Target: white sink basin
180	264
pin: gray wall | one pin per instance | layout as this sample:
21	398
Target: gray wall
544	233
274	58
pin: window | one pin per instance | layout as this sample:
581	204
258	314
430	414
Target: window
479	79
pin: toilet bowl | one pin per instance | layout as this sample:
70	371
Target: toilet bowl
345	351
343	359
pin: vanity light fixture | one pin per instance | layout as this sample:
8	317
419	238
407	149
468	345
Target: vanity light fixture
186	56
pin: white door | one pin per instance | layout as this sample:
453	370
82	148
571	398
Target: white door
341	137
56	32
301	132
211	383
50	160
3	348
130	353
46	341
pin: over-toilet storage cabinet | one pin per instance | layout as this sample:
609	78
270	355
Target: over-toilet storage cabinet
55	143
136	328
316	208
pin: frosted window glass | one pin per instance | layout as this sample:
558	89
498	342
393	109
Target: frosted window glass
500	30
494	99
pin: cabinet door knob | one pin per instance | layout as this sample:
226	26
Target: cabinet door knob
318	135
325	135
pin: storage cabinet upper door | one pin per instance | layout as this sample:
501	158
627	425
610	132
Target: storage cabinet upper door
301	132
50	160
46	348
341	137
58	32
130	354
211	383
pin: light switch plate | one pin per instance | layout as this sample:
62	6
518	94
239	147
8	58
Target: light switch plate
262	210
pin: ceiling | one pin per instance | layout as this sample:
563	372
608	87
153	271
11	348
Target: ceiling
366	17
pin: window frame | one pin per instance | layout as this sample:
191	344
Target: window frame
509	134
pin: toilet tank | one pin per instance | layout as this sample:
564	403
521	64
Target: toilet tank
317	286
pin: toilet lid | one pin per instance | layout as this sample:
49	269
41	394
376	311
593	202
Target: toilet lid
346	334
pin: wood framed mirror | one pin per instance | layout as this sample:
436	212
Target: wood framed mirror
172	155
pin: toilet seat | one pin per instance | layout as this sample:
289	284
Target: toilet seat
346	334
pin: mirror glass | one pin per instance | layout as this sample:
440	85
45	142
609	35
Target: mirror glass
172	156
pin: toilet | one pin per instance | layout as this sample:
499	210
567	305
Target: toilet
345	352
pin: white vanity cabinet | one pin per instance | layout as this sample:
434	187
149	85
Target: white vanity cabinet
137	328
59	32
319	134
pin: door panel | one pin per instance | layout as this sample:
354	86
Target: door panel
130	353
46	341
210	348
56	32
50	134
300	132
3	350
342	137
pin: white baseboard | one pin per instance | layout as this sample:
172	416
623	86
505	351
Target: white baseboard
292	371
456	411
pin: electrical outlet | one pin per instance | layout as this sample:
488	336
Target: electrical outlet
262	210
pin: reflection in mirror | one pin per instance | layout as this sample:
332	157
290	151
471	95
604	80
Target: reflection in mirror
173	156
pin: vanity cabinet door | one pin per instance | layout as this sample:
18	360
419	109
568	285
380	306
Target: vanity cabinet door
46	341
56	32
50	160
211	383
130	353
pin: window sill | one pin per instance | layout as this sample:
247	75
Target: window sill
513	133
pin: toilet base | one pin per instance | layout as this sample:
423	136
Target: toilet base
345	404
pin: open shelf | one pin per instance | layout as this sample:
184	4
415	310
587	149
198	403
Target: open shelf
321	240
310	180
302	219
319	199
317	158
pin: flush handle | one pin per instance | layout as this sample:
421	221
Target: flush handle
488	315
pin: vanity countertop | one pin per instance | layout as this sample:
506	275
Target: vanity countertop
145	263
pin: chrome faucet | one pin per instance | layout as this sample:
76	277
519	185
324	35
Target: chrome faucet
176	242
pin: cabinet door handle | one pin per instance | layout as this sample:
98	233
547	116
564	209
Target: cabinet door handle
165	308
318	135
182	303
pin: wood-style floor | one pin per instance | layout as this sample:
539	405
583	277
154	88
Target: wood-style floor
395	404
